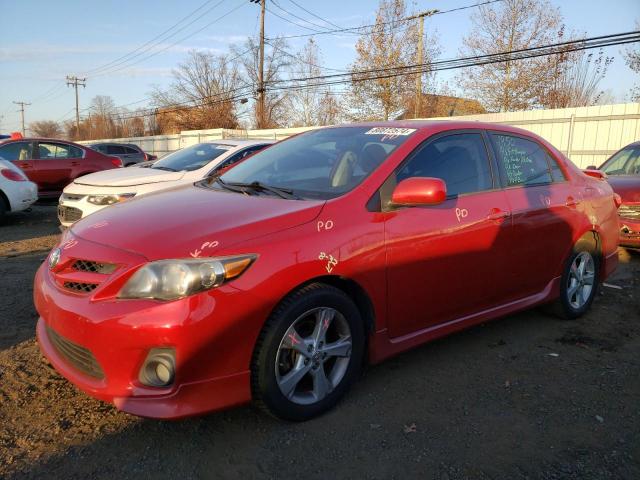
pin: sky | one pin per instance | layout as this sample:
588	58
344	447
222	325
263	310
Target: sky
42	41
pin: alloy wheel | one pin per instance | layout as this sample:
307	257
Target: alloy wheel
581	280
313	355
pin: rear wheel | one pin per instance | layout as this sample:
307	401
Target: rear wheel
579	283
308	354
3	206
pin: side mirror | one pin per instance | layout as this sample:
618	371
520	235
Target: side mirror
419	191
599	174
591	167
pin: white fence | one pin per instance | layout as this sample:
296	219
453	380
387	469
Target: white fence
587	135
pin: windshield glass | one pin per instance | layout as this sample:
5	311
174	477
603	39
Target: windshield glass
625	162
322	163
192	158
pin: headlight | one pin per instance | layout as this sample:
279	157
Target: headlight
109	199
173	279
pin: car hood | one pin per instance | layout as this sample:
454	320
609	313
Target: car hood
627	186
127	177
192	221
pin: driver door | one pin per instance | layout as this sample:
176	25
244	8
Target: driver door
451	260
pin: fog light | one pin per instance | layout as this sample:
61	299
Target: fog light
158	370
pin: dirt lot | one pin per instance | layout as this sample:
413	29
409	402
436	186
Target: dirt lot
528	396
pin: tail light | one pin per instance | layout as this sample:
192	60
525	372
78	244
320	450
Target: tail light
116	161
617	199
146	156
13	175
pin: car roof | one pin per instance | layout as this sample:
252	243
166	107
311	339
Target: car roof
39	139
440	125
241	143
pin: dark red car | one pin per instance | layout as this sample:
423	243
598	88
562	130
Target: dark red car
279	279
623	174
53	164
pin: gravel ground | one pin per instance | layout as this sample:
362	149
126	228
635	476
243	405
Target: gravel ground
527	396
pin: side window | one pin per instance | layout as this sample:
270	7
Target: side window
130	151
523	162
58	151
115	150
15	151
460	160
625	162
556	172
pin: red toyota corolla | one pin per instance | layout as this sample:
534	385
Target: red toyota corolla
278	280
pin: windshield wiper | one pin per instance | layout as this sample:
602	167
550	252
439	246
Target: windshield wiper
226	185
168	169
261	187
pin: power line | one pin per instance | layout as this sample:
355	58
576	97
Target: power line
464	62
112	70
381	24
314	15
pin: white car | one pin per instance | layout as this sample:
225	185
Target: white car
16	191
95	191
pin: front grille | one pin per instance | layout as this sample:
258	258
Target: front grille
69	214
81	287
79	357
71	196
94	267
629	211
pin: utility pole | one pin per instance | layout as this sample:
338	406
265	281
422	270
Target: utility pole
74	81
22	105
260	121
420	58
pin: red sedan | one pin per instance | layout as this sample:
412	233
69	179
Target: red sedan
278	280
623	173
53	164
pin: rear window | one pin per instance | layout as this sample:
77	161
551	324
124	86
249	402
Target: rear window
522	161
15	151
192	158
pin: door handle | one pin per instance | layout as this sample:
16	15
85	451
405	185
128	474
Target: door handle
497	214
75	164
24	165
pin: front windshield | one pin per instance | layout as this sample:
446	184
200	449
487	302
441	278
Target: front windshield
191	158
322	163
625	162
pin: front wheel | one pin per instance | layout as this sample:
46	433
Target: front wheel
308	353
578	284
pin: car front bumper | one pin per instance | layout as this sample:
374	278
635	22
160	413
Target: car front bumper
629	232
212	338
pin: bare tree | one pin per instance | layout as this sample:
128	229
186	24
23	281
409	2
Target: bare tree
314	104
391	43
573	78
45	128
203	93
632	57
276	61
504	27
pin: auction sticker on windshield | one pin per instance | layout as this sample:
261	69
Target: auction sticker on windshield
390	131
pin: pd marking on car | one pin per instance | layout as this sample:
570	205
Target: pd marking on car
70	244
196	253
325	225
461	213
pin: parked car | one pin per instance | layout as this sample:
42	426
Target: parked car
129	153
91	193
623	173
277	280
52	164
17	193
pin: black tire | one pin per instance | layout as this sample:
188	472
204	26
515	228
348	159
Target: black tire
3	206
264	382
563	307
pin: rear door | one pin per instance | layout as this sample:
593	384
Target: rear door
131	155
543	206
447	261
56	162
